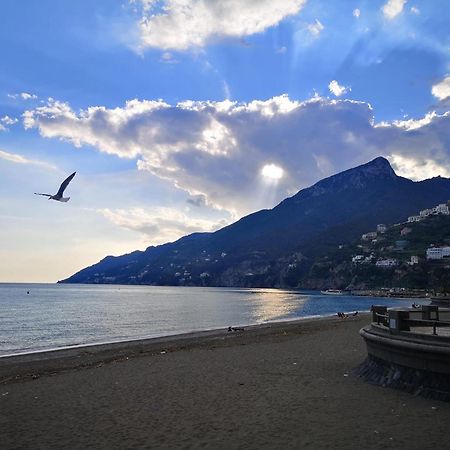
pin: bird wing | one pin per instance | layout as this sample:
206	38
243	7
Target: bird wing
64	184
47	195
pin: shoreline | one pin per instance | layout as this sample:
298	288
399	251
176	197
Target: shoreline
181	335
22	365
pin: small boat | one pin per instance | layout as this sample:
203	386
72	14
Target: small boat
333	292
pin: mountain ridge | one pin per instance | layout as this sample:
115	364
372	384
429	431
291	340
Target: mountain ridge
258	246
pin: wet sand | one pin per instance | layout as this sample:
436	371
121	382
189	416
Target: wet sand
281	386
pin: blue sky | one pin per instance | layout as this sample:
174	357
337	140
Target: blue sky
183	116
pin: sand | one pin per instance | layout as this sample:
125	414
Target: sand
289	385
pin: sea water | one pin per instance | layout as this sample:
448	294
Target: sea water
36	317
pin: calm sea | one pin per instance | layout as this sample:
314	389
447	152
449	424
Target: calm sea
37	317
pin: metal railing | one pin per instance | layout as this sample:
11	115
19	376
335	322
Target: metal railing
403	319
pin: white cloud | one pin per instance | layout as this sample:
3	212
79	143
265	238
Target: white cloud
336	89
215	150
160	225
19	159
415	10
315	28
441	90
356	13
393	8
417	168
8	120
23	96
183	24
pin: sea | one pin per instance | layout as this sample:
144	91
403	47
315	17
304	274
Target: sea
38	317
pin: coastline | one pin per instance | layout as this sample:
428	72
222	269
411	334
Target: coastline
18	366
284	385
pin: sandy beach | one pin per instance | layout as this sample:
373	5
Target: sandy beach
288	385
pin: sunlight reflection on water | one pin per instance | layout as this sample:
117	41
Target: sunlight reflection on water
62	315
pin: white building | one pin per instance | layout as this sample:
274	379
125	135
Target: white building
369	236
426	213
414	219
414	260
357	259
389	262
381	228
441	209
438	252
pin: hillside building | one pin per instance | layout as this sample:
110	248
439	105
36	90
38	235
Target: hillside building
442	209
388	262
381	228
438	252
414	219
414	260
369	236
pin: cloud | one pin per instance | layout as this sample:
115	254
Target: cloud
19	159
315	28
5	121
184	24
216	150
441	90
160	225
356	13
8	120
336	89
23	96
393	8
415	10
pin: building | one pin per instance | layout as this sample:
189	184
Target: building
384	263
438	252
425	213
414	219
414	260
357	259
369	236
381	228
441	209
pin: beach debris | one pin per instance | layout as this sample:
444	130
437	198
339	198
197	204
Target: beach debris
236	329
59	195
35	376
5	393
345	374
434	408
163	352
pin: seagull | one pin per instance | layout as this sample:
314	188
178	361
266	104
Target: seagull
59	195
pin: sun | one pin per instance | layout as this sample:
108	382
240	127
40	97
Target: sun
272	172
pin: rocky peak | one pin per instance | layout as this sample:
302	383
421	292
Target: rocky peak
358	177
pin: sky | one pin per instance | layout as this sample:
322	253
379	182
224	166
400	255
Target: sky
184	115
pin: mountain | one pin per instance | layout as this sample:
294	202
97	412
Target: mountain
263	248
354	266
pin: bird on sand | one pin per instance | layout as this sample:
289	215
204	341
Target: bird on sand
59	195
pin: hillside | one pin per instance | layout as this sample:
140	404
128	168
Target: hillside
354	266
277	247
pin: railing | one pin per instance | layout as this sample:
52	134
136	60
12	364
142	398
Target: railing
400	319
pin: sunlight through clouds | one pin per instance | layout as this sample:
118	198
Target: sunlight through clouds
211	148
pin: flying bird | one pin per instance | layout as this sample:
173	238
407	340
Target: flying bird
59	195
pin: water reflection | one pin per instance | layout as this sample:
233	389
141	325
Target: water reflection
273	304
